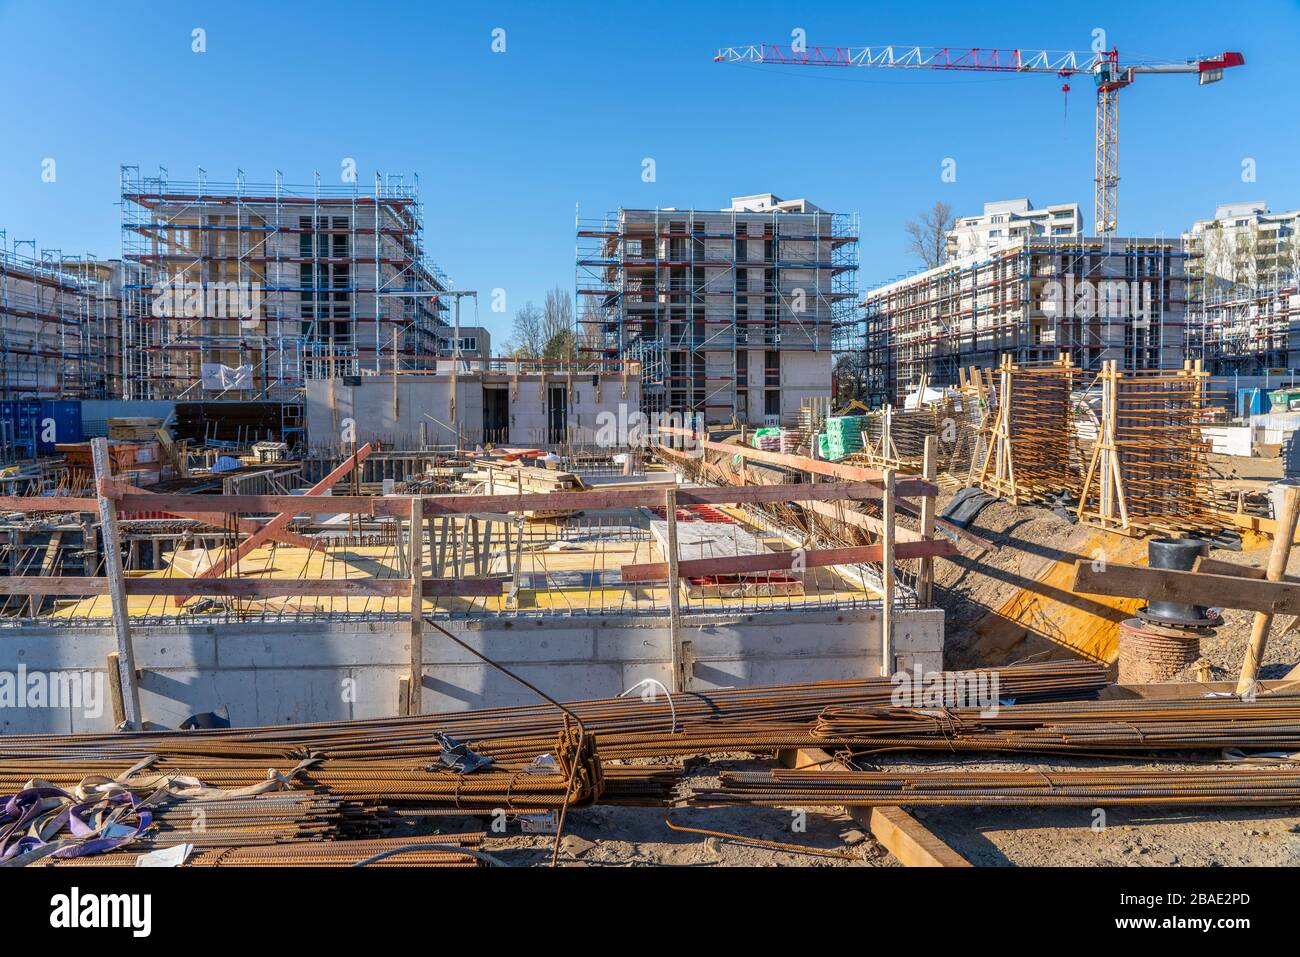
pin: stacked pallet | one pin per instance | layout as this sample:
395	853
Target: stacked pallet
843	436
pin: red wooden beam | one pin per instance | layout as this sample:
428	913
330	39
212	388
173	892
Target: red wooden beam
400	505
218	519
850	473
47	503
66	586
785	561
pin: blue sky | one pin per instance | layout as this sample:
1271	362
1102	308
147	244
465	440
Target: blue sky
506	143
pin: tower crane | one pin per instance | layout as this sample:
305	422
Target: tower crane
1108	73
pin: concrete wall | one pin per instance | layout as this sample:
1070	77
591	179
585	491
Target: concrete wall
426	399
278	673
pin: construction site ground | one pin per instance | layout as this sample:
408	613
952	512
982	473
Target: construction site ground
996	837
1014	602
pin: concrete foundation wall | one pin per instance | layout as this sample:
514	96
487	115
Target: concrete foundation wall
427	400
281	673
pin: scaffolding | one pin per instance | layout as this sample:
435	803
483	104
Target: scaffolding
326	281
1022	302
57	324
1247	331
708	302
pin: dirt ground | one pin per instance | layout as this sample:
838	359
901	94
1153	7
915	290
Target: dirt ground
991	620
987	837
608	836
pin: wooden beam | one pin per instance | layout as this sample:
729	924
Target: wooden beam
887	558
252	587
400	505
783	561
1189	588
910	841
47	503
220	519
930	472
1277	562
415	559
115	690
112	543
231	558
851	473
673	573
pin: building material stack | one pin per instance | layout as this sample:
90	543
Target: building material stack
1149	470
1032	455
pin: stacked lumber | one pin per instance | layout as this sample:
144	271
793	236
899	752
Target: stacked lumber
133	428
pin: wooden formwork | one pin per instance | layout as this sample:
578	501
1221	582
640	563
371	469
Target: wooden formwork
1149	470
1031	453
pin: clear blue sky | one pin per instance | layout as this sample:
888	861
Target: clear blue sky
506	144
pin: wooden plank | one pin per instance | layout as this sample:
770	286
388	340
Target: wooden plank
220	519
115	690
1192	588
47	503
852	473
415	559
1277	562
910	841
47	566
673	572
783	561
252	587
400	505
230	559
887	559
112	543
930	472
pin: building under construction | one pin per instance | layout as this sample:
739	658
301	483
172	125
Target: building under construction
728	312
1096	299
244	291
58	325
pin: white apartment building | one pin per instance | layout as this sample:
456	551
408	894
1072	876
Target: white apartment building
1008	221
1244	245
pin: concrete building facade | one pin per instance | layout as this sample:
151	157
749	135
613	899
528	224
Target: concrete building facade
1006	222
729	313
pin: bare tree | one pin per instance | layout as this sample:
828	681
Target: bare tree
927	235
558	341
526	340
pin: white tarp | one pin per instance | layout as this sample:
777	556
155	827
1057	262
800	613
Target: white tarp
222	377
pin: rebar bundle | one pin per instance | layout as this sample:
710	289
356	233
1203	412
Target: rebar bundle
1149	469
1239	787
1032	455
1271	722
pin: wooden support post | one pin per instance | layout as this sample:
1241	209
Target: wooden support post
887	577
404	695
930	472
674	591
416	560
1277	560
115	689
117	588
